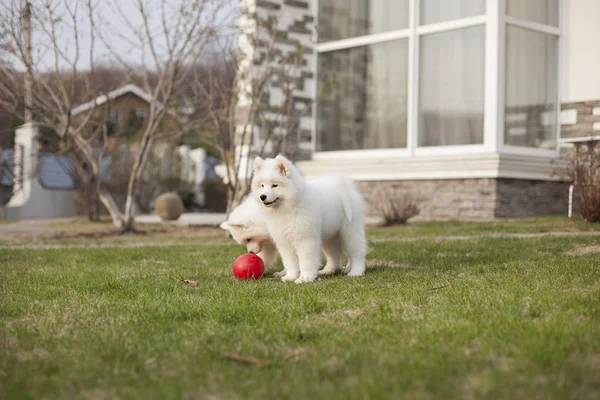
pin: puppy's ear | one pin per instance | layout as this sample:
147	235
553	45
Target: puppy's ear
228	225
283	165
258	164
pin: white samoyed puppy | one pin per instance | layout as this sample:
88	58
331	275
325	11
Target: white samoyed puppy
302	216
248	226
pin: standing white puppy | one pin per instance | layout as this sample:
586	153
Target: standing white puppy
302	216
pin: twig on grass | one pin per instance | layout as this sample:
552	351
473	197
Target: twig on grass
245	359
440	287
187	282
433	289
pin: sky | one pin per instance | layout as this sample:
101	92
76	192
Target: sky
115	21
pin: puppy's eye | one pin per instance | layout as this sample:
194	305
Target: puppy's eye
274	186
262	186
247	240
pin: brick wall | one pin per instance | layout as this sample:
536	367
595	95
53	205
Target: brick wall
469	199
472	199
580	119
516	198
285	31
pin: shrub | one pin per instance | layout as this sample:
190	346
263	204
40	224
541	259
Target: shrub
395	209
584	171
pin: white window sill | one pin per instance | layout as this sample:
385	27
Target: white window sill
386	166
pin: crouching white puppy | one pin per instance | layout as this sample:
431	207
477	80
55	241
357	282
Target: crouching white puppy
247	226
302	216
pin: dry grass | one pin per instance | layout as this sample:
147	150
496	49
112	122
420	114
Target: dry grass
83	232
580	251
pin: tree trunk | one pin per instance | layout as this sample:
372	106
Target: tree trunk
28	112
108	201
134	177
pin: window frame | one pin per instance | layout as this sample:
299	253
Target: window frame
494	21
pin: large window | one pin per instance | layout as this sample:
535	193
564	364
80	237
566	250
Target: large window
531	83
426	74
364	86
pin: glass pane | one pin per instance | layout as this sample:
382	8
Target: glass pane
433	11
341	19
531	88
542	11
451	87
363	97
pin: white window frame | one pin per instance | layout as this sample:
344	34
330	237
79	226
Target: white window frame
495	21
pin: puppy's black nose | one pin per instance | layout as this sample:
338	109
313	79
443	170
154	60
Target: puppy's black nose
251	252
263	197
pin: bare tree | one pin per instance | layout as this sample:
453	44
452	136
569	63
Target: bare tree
165	39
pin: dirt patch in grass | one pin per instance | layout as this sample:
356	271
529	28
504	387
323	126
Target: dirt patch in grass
388	264
580	251
86	233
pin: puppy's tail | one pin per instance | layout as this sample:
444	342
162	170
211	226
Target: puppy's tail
349	189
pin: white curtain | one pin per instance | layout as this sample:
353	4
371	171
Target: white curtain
451	87
433	11
387	96
451	76
542	11
531	77
341	19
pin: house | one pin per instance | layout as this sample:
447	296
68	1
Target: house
460	104
35	183
125	109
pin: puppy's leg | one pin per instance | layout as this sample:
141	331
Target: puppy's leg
309	257
355	245
290	262
333	253
269	256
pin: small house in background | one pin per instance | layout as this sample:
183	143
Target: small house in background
125	111
461	105
37	182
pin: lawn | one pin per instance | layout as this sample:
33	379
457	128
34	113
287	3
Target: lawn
81	232
477	318
522	225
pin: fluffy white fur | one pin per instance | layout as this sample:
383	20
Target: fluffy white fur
247	225
302	216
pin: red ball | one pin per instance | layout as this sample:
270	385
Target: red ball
248	266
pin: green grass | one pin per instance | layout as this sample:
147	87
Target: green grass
511	318
523	225
79	231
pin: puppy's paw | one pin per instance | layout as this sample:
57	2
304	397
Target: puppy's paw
329	270
279	274
305	279
325	272
288	278
355	274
